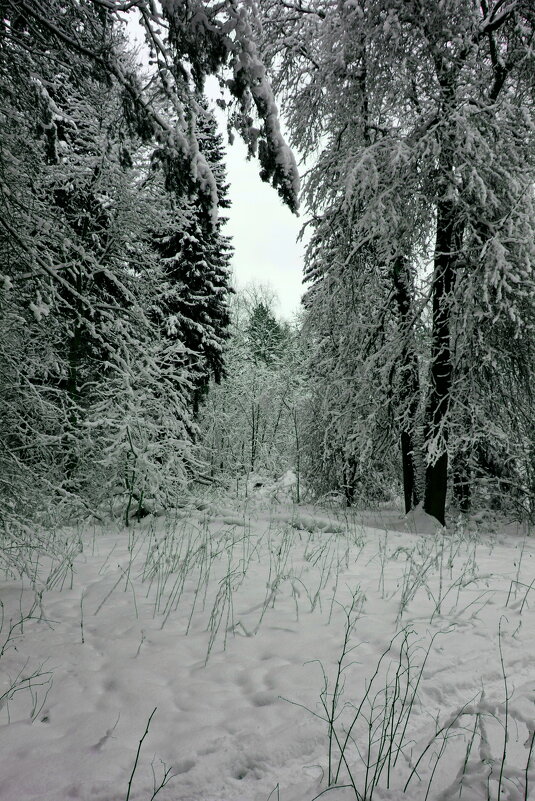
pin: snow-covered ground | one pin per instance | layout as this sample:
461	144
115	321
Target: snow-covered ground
231	624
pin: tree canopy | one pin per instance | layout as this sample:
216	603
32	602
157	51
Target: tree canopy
418	119
113	258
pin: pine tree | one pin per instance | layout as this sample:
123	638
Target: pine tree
265	334
195	257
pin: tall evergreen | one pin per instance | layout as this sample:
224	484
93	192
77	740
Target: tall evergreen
265	334
195	262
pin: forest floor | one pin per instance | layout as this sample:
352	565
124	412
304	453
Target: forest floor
222	628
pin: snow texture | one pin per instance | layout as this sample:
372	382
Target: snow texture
228	619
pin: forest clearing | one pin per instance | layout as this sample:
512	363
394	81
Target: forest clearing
244	555
282	650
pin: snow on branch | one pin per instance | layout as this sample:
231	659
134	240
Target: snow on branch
201	39
276	159
187	43
497	16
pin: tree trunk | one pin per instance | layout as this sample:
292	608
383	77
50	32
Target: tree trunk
410	381
410	491
349	472
441	370
448	243
76	351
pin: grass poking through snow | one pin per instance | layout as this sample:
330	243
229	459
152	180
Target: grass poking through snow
406	658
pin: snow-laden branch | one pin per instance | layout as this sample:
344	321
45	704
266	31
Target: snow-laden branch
224	30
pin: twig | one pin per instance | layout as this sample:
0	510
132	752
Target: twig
527	765
506	731
137	754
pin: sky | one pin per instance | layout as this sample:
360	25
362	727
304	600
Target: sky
264	233
263	230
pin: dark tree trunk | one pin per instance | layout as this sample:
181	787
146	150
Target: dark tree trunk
448	243
76	352
410	489
349	471
441	370
410	381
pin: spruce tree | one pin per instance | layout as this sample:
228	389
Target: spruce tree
195	263
265	334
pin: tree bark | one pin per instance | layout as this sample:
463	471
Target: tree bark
441	370
410	381
76	350
410	490
448	243
349	478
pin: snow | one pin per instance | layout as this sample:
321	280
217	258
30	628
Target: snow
229	619
247	62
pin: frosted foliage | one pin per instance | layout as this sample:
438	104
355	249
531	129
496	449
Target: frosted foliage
348	422
185	43
204	177
103	345
206	37
419	123
139	426
251	422
277	161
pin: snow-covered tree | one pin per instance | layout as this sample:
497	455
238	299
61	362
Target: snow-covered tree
69	212
113	257
251	422
359	367
187	42
195	262
265	334
418	119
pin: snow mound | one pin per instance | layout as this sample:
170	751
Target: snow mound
419	522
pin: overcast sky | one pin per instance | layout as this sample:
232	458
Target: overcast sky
264	233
